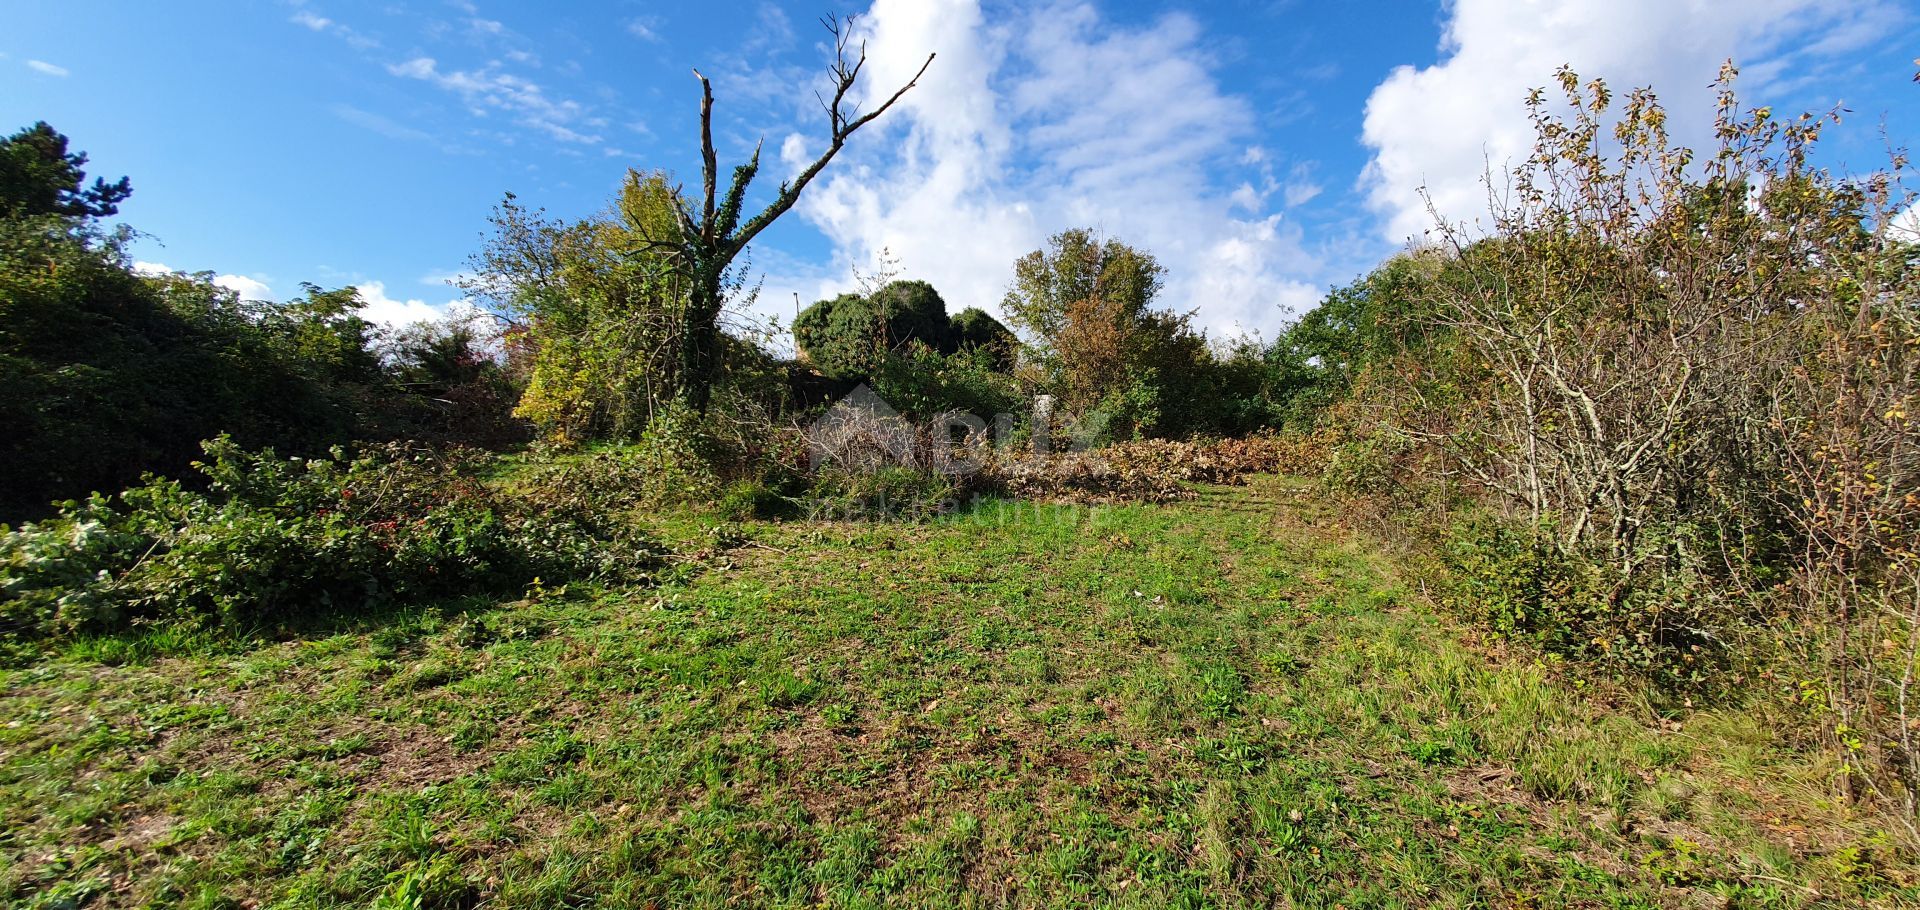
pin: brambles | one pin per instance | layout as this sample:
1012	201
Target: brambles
892	492
275	539
1511	579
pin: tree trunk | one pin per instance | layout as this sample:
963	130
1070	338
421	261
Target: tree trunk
701	352
709	242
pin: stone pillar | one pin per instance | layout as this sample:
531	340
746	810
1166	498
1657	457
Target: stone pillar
1043	423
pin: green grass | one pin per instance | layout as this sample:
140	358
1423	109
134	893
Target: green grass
1221	703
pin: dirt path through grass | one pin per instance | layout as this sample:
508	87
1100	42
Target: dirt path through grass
1222	703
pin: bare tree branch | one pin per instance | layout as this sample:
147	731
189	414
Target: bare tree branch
708	167
840	125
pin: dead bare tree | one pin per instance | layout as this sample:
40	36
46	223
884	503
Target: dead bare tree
710	239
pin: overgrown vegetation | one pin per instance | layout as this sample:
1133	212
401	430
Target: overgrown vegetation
275	541
1669	398
109	373
1217	702
964	612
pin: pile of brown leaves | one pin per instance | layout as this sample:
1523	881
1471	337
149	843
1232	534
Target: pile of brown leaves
1146	471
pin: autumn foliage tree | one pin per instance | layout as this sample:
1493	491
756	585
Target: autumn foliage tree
1082	303
602	309
1096	339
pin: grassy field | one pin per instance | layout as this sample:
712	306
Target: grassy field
1221	703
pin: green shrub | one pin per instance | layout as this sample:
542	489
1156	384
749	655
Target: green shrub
274	538
1516	581
59	572
1513	580
921	381
974	329
848	336
913	311
889	493
1364	463
667	466
755	499
1130	412
675	459
109	373
736	466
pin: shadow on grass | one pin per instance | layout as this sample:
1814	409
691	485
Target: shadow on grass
185	639
398	624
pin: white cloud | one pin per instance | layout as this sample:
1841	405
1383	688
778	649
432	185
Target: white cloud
488	89
417	68
312	21
1050	119
1904	225
378	306
383	309
47	69
1443	126
794	153
247	287
1297	190
385	126
1301	188
645	29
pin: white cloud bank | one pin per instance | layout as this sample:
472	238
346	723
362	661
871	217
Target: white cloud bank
1905	224
1443	126
47	69
377	306
1043	121
247	287
383	309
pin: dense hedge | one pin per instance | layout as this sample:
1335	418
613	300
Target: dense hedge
275	538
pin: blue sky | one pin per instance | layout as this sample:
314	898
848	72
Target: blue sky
1264	150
